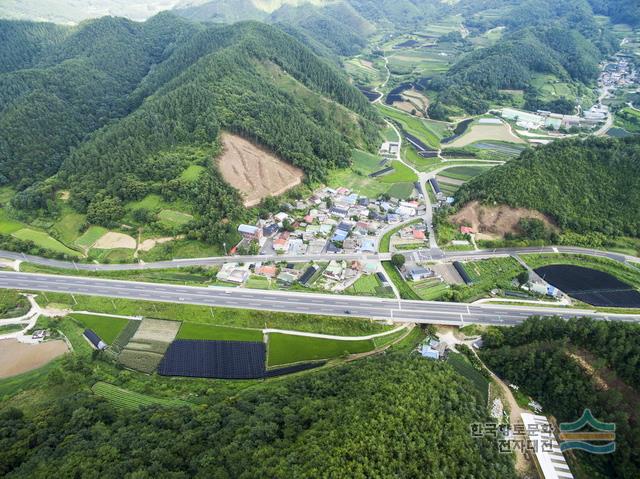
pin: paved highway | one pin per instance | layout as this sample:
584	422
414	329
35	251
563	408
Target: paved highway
284	301
427	254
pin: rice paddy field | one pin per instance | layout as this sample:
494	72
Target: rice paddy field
43	240
287	349
190	330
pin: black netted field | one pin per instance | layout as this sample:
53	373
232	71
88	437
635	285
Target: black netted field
214	359
591	286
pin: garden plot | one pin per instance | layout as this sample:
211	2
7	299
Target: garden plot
146	347
113	240
254	171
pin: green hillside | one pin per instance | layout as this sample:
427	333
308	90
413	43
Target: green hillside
590	185
120	110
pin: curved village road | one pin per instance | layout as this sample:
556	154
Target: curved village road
457	314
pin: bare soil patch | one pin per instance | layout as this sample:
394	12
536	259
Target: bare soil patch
113	240
448	273
254	171
496	221
408	107
17	358
485	132
148	244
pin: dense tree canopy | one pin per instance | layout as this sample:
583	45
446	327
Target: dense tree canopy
539	356
390	416
590	185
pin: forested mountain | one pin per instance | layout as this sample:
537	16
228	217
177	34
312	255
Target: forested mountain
119	109
324	25
541	37
388	416
620	11
590	185
546	358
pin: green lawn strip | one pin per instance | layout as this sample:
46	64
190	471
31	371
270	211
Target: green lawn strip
190	330
42	239
246	318
385	242
11	328
189	275
106	327
403	287
381	341
286	349
93	234
259	282
123	398
619	270
466	369
365	284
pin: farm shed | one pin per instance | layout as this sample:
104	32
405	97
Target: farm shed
435	185
307	275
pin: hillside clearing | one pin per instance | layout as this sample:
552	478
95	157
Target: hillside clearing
485	132
495	221
254	171
112	240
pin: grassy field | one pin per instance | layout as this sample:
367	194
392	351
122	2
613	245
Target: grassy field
107	327
67	227
369	285
174	218
286	349
191	173
410	155
12	304
125	399
462	365
245	318
93	234
42	239
220	333
429	132
619	270
8	225
356	177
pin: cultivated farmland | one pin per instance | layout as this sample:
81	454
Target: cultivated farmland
123	398
484	132
145	349
254	171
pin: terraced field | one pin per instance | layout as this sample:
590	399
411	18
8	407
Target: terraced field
125	399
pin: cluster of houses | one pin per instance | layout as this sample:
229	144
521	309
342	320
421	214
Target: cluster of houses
619	73
543	119
330	221
333	275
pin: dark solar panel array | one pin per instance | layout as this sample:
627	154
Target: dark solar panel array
214	359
